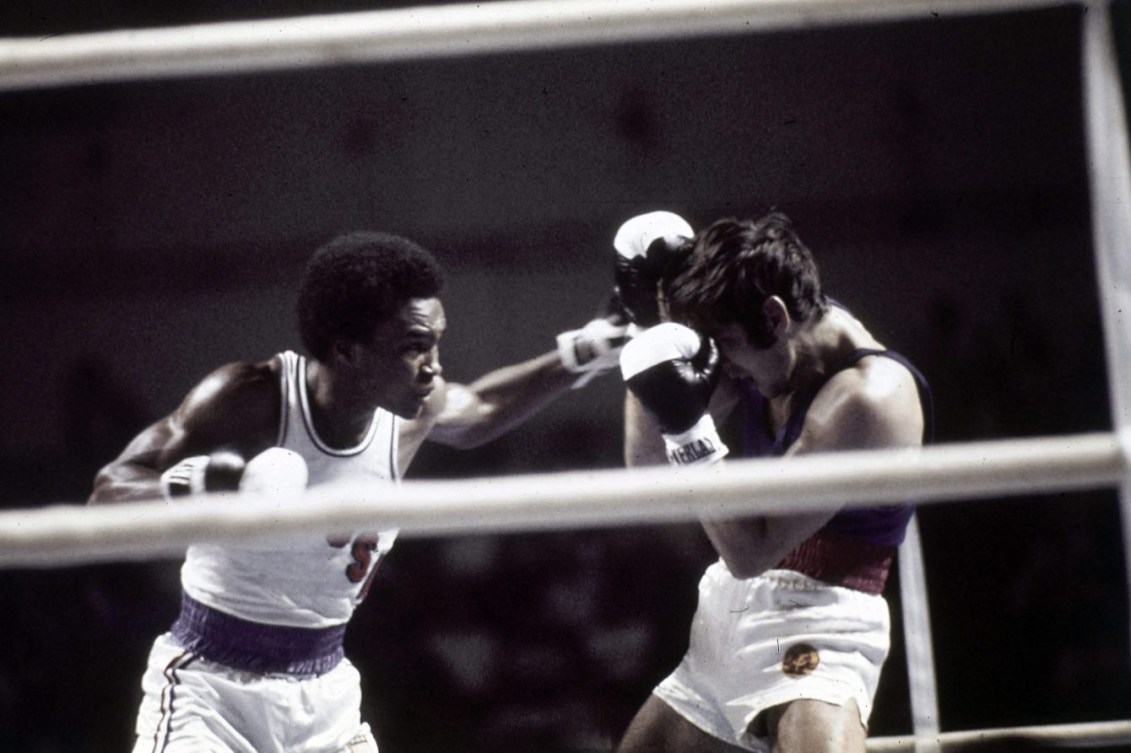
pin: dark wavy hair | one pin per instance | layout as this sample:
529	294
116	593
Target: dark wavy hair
735	266
358	280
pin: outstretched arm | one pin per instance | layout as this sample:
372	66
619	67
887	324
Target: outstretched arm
466	416
235	409
499	401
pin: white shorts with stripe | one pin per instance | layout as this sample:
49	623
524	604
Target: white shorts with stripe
191	704
765	641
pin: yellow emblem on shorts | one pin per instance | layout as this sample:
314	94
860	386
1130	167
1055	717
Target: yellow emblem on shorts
800	660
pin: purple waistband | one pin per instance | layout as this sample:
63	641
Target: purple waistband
255	646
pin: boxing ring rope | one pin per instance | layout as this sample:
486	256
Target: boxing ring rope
428	32
1109	171
1085	735
915	604
70	535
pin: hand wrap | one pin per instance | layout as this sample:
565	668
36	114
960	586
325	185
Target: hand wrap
222	471
699	445
186	478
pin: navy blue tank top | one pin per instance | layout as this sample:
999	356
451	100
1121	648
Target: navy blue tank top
882	525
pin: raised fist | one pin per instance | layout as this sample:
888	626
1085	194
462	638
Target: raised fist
672	371
650	247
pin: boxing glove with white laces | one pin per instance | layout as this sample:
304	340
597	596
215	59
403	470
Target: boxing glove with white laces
650	247
672	371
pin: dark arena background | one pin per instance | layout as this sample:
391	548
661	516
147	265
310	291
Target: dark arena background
152	230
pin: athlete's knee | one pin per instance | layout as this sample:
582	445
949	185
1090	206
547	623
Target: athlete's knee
808	725
654	729
658	728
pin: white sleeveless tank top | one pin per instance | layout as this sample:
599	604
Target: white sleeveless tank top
307	581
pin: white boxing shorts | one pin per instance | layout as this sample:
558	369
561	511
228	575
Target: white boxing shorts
769	640
194	705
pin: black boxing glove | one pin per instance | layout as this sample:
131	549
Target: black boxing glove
649	248
672	371
218	472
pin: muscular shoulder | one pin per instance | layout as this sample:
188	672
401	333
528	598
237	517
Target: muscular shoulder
239	379
875	404
237	404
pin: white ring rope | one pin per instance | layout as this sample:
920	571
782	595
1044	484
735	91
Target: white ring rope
1109	172
1085	735
923	686
67	535
429	32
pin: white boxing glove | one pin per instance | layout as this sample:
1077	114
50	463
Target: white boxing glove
649	248
275	471
638	233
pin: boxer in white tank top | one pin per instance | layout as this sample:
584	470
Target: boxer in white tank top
240	599
310	584
254	662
